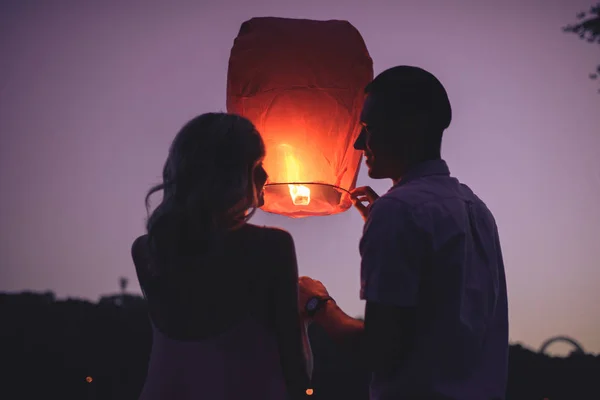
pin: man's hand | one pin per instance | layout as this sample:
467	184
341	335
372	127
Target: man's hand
338	325
361	195
308	288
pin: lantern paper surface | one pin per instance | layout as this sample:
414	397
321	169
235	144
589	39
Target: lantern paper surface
301	82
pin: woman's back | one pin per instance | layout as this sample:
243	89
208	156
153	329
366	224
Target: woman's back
242	363
224	324
222	294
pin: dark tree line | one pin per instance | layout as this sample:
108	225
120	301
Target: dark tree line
588	28
75	349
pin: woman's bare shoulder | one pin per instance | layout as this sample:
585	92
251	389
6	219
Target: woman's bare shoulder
139	249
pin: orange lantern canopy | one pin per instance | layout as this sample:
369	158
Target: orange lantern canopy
301	83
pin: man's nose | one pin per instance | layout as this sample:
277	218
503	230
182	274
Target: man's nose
361	140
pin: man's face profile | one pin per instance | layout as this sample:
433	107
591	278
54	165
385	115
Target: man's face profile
373	139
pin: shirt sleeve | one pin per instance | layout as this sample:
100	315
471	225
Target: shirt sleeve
391	255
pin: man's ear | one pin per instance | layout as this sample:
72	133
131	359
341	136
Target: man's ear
418	122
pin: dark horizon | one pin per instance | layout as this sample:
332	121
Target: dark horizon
104	348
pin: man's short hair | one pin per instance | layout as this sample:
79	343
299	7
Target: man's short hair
408	90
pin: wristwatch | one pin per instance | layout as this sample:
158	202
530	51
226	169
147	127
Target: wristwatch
314	304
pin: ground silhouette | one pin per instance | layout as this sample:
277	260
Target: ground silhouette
76	349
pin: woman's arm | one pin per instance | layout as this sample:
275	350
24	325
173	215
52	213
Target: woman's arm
291	331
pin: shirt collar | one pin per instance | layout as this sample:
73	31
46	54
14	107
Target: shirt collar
423	169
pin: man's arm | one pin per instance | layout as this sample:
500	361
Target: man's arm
392	252
384	338
339	326
336	323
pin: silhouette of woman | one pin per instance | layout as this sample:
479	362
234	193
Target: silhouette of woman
222	294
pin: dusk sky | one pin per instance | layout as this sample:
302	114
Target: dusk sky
92	93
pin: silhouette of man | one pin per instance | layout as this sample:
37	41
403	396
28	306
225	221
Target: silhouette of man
432	274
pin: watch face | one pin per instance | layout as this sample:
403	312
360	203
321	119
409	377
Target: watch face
312	304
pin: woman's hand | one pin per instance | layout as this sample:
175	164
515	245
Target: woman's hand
361	195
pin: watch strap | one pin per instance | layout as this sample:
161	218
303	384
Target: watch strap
321	301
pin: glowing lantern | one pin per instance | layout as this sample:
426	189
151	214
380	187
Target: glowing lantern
301	82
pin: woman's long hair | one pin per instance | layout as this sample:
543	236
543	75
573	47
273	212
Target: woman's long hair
208	189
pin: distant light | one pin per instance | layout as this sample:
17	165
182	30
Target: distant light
88	379
309	392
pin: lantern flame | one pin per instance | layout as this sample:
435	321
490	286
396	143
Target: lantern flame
300	194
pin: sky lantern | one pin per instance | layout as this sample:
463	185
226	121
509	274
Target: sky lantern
301	82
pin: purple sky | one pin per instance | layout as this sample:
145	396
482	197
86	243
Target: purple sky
92	94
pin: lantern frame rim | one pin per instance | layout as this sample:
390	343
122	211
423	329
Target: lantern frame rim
309	183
